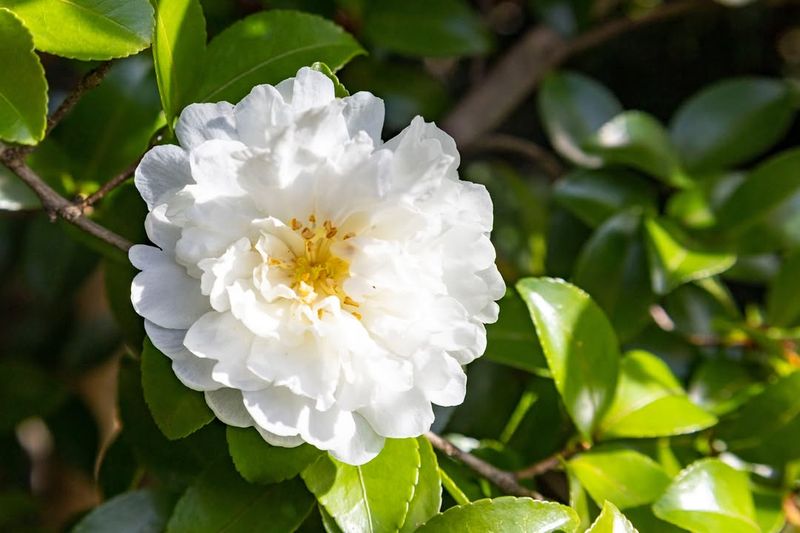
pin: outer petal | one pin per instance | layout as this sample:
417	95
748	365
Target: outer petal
202	122
163	171
228	405
192	371
364	112
261	115
399	414
163	293
308	90
440	377
363	447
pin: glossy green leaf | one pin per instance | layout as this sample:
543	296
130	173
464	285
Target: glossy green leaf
783	305
709	497
674	262
179	44
14	194
767	428
371	497
611	520
769	509
86	29
23	88
624	477
579	501
572	108
427	498
220	500
269	47
579	344
613	269
637	140
259	462
339	90
512	339
504	514
763	193
422	28
177	410
594	196
139	511
722	385
650	402
731	121
699	309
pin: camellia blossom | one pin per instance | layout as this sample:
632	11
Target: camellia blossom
314	282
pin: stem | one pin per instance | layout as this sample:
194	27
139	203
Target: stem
549	463
500	142
91	80
505	481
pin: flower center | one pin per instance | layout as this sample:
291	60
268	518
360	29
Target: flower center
318	272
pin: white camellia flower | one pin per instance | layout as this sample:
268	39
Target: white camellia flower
313	281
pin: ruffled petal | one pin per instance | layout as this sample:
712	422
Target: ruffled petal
163	171
399	414
192	371
199	123
228	406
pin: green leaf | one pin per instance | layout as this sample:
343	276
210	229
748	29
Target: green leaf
650	402
709	497
573	107
722	385
674	262
731	121
269	47
427	498
177	410
14	194
763	193
86	29
422	28
23	88
767	428
611	521
372	497
25	391
339	90
613	269
259	462
504	514
637	140
594	196
512	339
783	305
179	45
131	512
579	344
222	501
769	509
624	477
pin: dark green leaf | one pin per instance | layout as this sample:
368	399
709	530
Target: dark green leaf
731	121
594	196
259	462
613	269
673	261
371	497
512	339
573	107
178	410
638	140
767	428
422	28
769	509
579	344
118	279
611	520
650	402
427	498
624	477
269	47
23	88
25	391
709	497
14	194
783	304
179	44
87	29
222	501
504	514
722	385
141	511
697	311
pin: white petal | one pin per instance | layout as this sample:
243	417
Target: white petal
364	112
228	405
362	448
399	414
277	410
163	171
309	89
202	122
160	230
163	293
216	167
261	115
441	378
277	440
192	371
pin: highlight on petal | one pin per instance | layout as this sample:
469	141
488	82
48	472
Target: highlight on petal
314	282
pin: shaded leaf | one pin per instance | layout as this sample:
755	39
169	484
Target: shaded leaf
783	305
141	511
259	462
611	520
87	29
25	391
512	339
504	514
579	344
722	385
427	498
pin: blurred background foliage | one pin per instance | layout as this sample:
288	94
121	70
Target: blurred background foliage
657	170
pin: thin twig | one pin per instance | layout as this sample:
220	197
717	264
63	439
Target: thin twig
56	205
549	463
109	186
500	142
504	480
536	53
91	80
